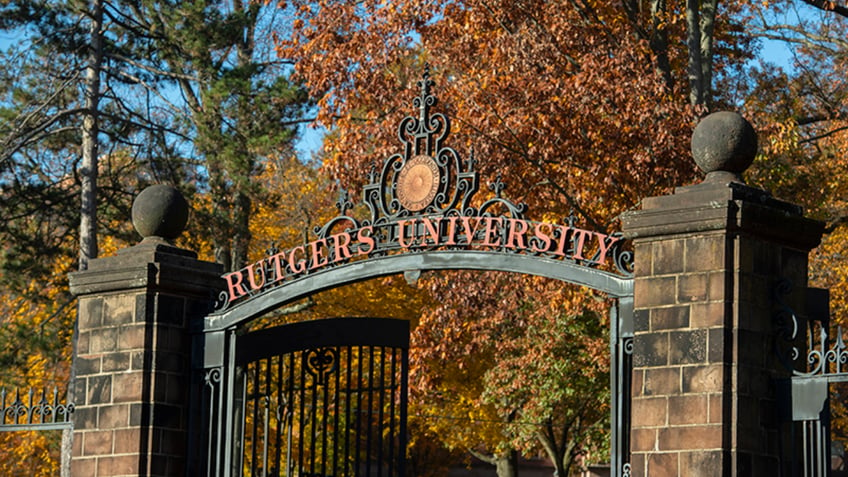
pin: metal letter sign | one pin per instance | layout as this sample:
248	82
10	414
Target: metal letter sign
423	215
421	201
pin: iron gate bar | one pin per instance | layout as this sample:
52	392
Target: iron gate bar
613	285
321	349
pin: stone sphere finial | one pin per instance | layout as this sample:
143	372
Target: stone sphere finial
160	211
724	144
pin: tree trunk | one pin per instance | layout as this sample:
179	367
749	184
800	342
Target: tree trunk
700	25
659	40
506	464
708	14
693	42
90	129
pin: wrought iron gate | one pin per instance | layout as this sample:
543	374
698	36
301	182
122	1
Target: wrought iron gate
321	398
271	395
818	373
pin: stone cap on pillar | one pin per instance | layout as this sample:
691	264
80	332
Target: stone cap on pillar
159	214
724	145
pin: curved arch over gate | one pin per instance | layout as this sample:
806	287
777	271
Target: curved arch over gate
613	285
423	217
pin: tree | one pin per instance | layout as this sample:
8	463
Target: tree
491	376
569	103
92	112
800	107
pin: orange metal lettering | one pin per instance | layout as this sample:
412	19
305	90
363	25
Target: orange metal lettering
298	266
341	246
234	284
542	236
367	240
517	229
488	235
318	259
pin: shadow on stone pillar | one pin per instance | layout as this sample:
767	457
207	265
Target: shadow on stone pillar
707	260
132	364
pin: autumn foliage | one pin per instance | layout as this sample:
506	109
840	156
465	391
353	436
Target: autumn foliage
565	103
582	108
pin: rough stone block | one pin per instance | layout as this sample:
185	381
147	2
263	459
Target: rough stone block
717	409
116	362
103	340
669	318
81	466
134	336
704	379
720	341
90	313
654	291
708	315
650	349
643	440
702	464
687	347
113	417
663	464
97	443
118	465
662	381
637	465
690	437
641	320
85	417
667	257
129	387
86	366
688	409
692	288
705	253
128	440
118	309
649	412
84	343
99	389
644	266
719	286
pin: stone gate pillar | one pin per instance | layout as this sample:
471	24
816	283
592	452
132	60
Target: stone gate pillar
132	360
708	259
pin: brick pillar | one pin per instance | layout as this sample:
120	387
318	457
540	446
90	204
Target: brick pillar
708	259
132	362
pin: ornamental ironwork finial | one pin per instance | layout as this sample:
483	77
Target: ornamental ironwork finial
425	100
422	199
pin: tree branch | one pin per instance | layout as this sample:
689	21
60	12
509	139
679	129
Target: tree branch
828	6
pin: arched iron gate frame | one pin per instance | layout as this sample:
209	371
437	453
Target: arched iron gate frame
326	397
422	218
218	335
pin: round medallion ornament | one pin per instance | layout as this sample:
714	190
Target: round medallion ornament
418	183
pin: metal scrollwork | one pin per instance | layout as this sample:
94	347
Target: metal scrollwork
212	378
821	358
628	345
33	409
622	257
423	138
787	327
423	200
321	363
